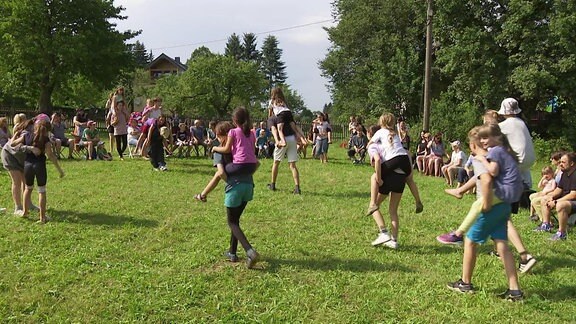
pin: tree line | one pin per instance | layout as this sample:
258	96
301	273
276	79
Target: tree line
70	54
483	51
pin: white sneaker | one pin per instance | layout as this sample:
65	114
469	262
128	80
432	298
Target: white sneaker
19	212
163	168
382	238
391	244
2	209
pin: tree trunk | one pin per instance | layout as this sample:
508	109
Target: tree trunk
45	100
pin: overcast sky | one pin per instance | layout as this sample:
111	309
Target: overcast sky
177	27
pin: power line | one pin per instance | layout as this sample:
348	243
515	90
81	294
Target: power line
226	39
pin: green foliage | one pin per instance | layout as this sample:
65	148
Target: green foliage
250	51
375	61
214	85
453	119
271	62
45	43
148	252
234	47
483	51
142	57
545	147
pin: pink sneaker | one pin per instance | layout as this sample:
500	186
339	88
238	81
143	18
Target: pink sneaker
450	238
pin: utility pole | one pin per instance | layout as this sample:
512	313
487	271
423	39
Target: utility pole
428	65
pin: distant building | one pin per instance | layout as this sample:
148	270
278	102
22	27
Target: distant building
164	64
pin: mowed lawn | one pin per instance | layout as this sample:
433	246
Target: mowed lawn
127	244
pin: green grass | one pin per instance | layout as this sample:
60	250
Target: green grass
127	244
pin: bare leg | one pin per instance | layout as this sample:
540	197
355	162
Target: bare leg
459	192
17	188
414	190
27	200
282	142
211	185
469	260
393	210
42	203
509	266
516	241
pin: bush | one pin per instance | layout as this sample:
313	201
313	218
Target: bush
545	147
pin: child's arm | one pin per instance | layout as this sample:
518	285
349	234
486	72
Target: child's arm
486	189
227	148
378	169
542	183
274	131
491	166
52	157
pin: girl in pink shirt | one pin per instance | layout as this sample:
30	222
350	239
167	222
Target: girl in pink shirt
241	143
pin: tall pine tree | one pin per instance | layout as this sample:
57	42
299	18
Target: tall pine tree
142	57
234	47
271	63
250	51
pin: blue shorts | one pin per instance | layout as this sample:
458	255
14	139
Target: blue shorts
238	194
492	223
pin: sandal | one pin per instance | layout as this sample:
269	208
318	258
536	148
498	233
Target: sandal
199	197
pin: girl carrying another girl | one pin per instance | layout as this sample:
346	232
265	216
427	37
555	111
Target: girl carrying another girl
394	168
239	184
35	165
240	142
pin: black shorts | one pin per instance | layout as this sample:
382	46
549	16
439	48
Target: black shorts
35	170
393	182
285	117
401	162
110	129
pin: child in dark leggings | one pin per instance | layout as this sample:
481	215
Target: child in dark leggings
35	165
239	191
157	144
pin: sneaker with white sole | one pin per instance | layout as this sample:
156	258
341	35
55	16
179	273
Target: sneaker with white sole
461	287
391	244
382	238
525	266
19	212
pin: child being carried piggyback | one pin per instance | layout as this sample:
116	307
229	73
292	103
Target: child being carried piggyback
497	175
278	108
221	130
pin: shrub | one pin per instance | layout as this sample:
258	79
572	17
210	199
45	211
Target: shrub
545	147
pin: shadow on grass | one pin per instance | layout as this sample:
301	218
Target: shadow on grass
339	194
328	263
567	261
186	170
72	216
556	293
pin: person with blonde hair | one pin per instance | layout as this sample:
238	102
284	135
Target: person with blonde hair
13	156
393	172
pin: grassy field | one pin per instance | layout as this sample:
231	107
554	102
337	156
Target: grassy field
127	244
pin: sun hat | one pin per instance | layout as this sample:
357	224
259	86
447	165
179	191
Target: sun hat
509	106
455	143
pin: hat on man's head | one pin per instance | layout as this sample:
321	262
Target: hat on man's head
509	106
455	143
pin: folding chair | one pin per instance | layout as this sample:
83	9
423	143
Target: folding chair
132	151
79	149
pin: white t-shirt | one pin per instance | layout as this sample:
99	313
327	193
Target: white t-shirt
520	140
479	169
458	155
392	146
277	109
